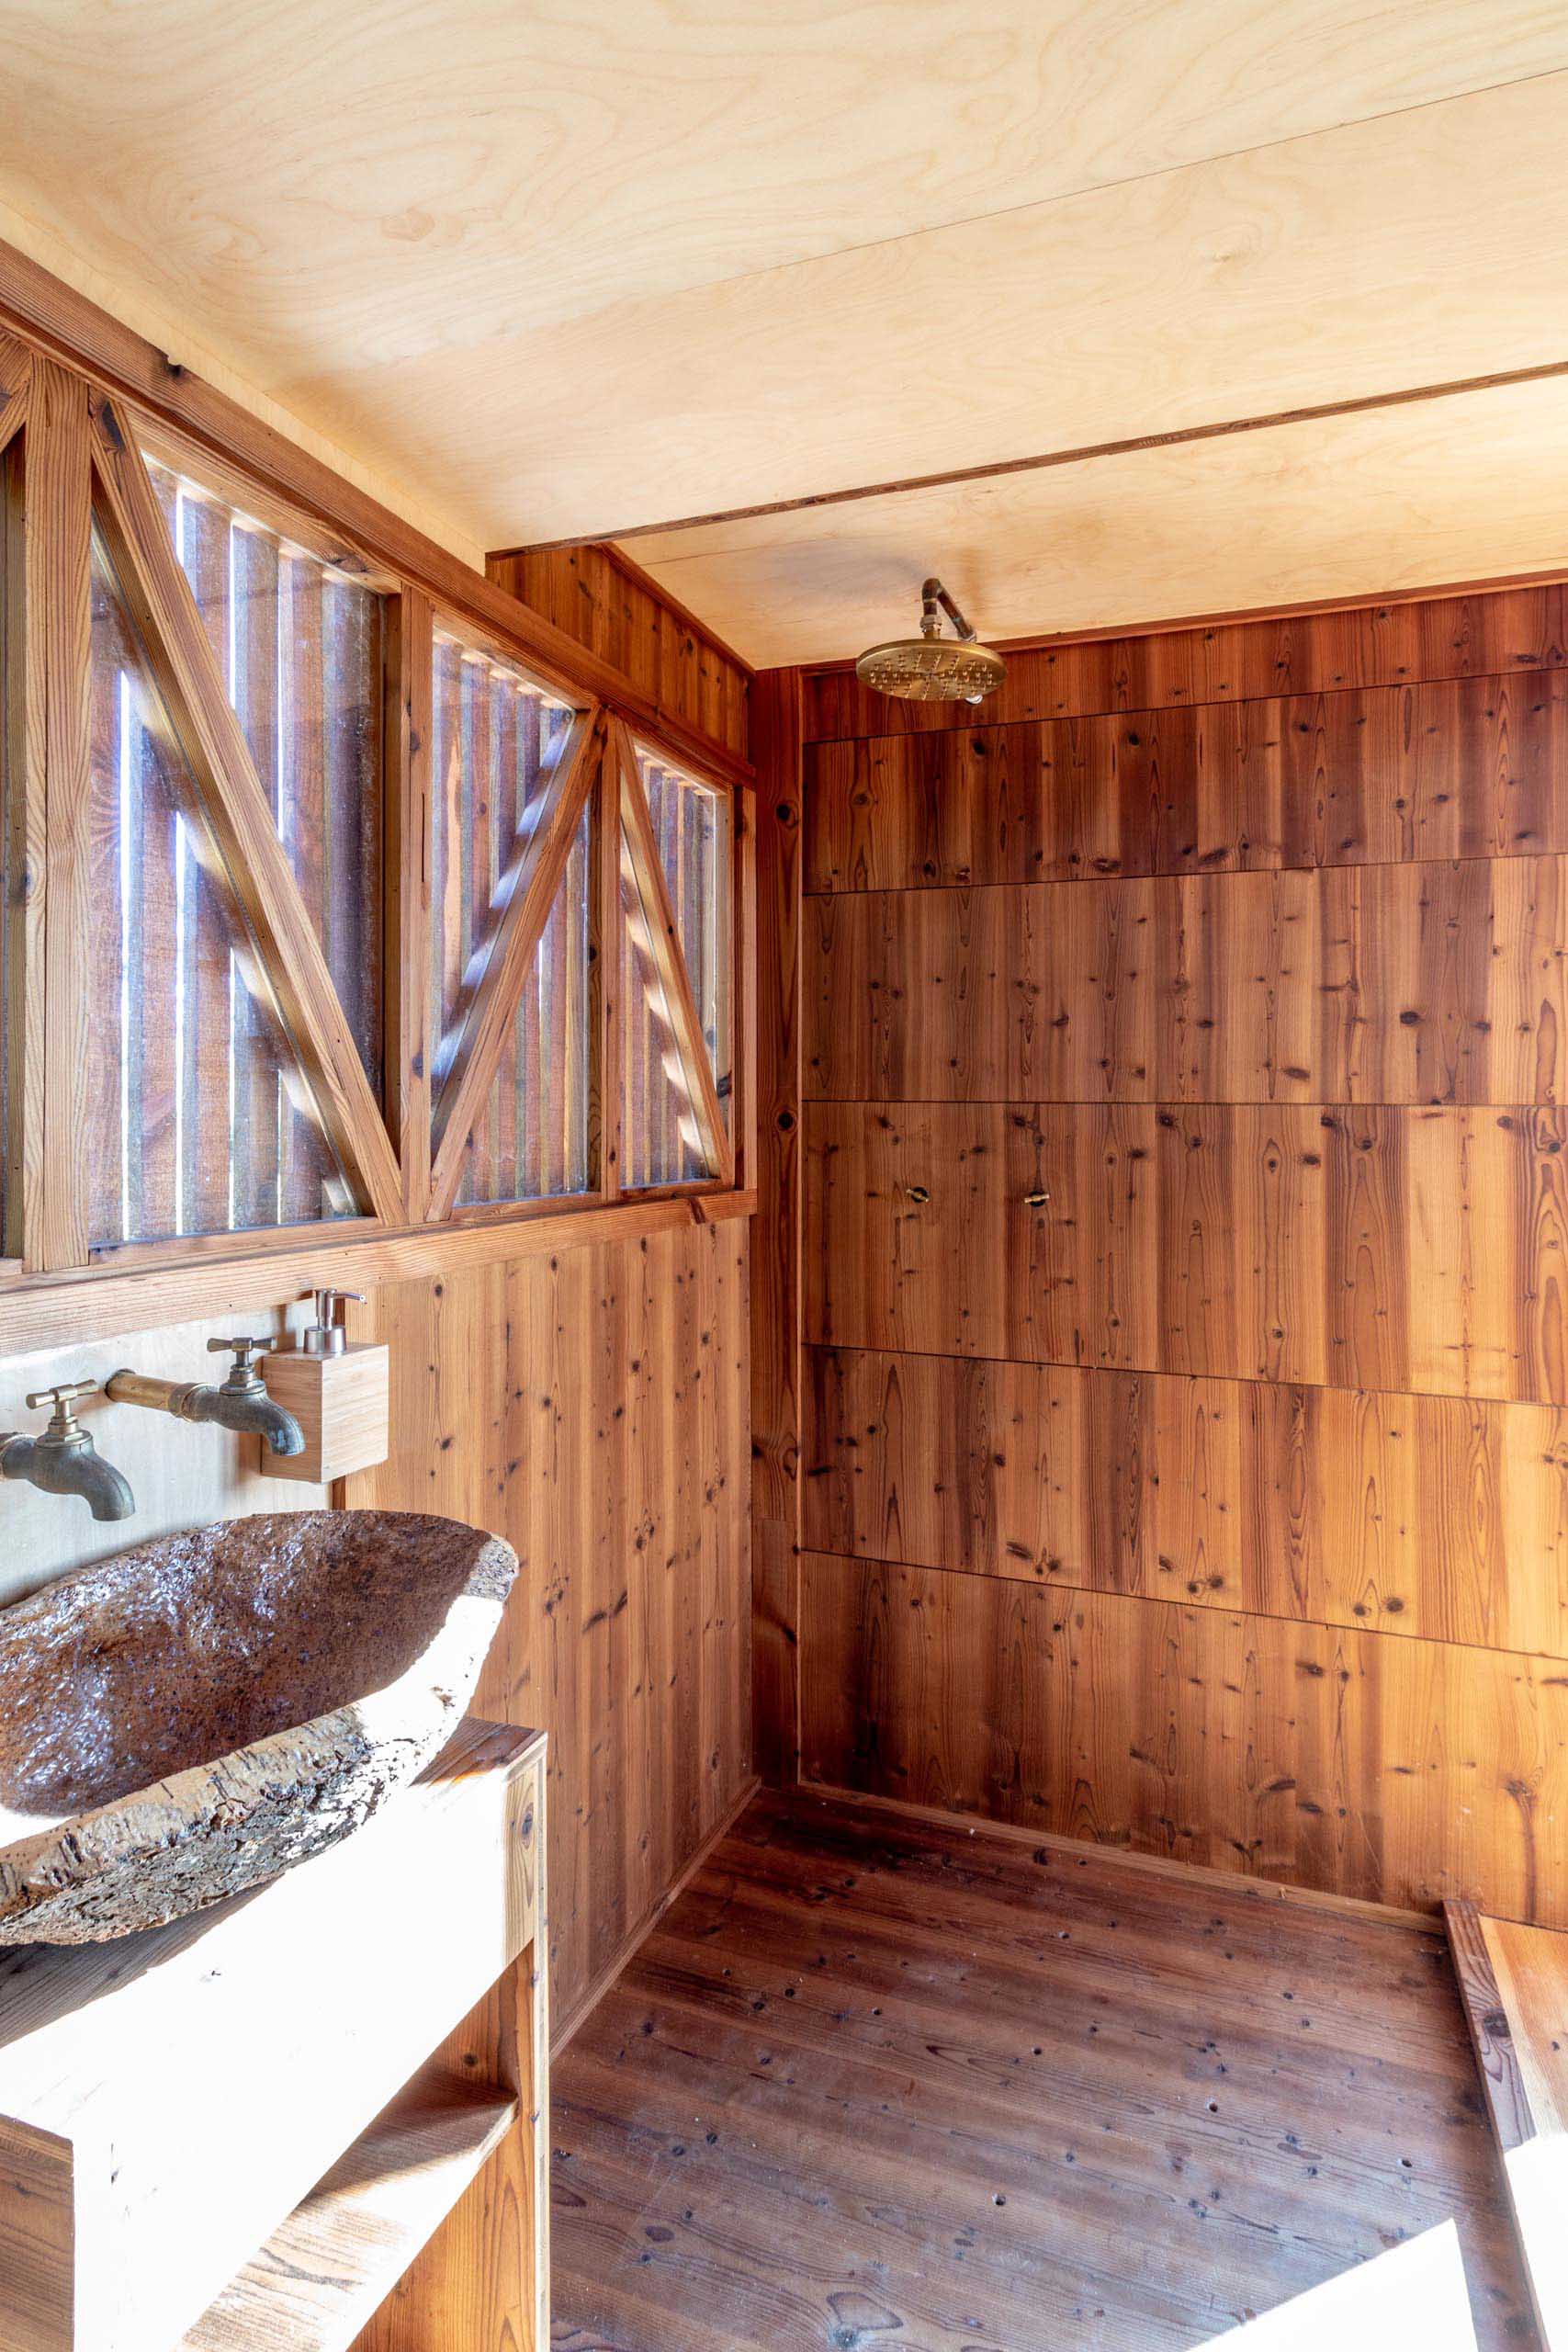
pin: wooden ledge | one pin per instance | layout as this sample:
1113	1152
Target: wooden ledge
1513	1984
188	1282
321	2275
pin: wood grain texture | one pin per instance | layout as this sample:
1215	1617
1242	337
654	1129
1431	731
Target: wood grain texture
191	417
180	656
926	2083
1416	1516
1345	774
759	302
1184	1246
317	2278
1262	657
517	934
1390	1770
162	2228
1513	1981
1423	983
56	523
591	1407
776	1401
1332	501
661	934
38	2224
1371	1248
485	2274
604	602
1490	2029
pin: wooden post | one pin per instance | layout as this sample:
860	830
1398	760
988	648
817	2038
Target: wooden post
56	523
776	706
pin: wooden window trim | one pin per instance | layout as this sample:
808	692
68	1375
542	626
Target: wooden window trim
669	956
180	1285
158	597
88	398
511	954
40	311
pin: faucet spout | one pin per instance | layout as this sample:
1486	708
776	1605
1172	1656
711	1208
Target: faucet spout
250	1410
240	1404
69	1466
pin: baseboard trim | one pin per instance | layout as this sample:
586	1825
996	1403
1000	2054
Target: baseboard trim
1233	1883
588	2000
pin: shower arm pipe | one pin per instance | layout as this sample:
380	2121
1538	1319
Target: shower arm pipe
934	597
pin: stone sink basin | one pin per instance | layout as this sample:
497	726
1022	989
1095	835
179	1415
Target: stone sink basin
192	1717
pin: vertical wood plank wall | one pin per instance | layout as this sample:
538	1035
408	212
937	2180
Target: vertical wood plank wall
608	603
1184	1233
592	1409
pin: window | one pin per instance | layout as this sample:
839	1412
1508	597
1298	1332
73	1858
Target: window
201	1119
690	824
530	1140
350	918
299	644
675	899
498	738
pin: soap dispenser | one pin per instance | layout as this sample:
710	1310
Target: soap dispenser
338	1390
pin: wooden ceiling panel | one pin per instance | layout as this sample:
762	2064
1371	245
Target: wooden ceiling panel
1464	488
1416	250
569	281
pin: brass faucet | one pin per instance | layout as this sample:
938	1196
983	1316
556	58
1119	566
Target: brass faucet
64	1461
241	1403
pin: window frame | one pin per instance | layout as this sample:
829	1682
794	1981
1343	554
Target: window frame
51	1287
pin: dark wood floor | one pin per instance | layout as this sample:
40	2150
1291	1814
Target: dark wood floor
877	2087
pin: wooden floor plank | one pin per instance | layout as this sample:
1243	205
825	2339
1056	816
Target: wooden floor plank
885	2087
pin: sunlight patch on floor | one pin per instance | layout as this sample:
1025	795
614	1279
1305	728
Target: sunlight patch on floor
1414	2294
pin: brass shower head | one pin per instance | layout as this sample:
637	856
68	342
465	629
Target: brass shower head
930	667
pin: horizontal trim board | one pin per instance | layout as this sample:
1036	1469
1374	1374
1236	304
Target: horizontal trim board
1419	1249
1458	769
1223	429
1428	639
1418	1518
47	1311
1436	982
1396	1771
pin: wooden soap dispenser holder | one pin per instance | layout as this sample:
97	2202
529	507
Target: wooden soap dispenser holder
337	1389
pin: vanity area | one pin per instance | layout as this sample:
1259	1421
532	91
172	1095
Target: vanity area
239	2129
378	1136
240	2126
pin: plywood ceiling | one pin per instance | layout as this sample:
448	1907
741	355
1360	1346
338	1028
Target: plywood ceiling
573	271
1464	489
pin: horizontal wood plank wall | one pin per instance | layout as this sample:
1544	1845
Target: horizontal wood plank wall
609	605
1185	1247
592	1408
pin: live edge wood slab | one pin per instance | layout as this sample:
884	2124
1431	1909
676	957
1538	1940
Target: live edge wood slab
229	2131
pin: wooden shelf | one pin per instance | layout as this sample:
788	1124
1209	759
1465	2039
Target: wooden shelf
167	2100
321	2275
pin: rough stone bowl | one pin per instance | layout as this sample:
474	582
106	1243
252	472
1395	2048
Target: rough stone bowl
190	1718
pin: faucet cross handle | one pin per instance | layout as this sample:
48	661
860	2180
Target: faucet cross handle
63	1420
244	1352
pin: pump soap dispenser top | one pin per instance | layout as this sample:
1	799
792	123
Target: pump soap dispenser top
326	1336
338	1389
